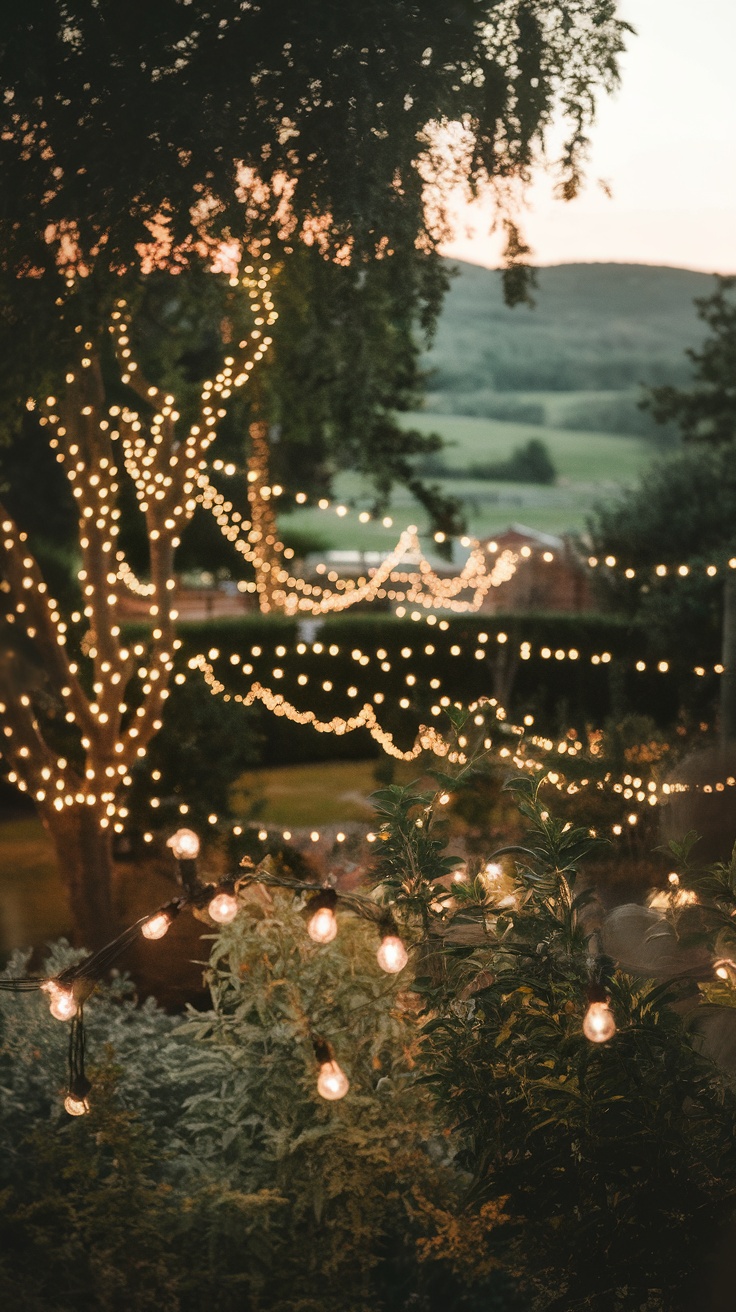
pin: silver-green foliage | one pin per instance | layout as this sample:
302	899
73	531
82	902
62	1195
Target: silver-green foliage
210	1172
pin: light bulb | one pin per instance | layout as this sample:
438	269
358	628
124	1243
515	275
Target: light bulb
392	956
156	926
322	926
76	1106
223	908
332	1082
62	1003
598	1023
184	844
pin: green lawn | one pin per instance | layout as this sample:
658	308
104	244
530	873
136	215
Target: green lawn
33	907
299	795
581	457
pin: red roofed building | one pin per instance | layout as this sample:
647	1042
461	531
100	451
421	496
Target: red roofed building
549	574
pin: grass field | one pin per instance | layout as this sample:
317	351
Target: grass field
299	795
33	908
592	467
581	457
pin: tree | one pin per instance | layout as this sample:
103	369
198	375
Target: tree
683	510
706	412
340	128
179	140
116	700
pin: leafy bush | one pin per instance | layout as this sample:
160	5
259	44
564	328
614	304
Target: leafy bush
209	1171
612	1161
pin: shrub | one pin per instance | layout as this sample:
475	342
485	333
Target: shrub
209	1171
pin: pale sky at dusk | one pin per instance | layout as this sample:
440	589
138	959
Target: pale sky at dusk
666	144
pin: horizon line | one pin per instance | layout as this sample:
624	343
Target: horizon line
562	264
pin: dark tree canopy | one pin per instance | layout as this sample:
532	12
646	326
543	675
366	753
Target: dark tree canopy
682	511
684	508
208	121
706	412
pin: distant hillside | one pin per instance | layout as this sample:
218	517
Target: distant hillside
598	329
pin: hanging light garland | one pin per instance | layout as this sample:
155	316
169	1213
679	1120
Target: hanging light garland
69	991
480	652
611	565
71	988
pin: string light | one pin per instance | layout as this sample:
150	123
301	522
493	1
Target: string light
256	539
76	1106
184	844
62	1003
332	1082
427	738
392	956
480	651
684	570
84	438
633	788
598	1023
158	925
322	922
223	908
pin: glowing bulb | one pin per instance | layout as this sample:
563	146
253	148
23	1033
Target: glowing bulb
76	1106
392	956
184	844
332	1082
223	908
598	1023
322	926
62	1005
156	926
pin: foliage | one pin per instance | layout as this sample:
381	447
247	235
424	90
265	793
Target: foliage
348	1180
530	463
706	413
618	414
595	1176
202	738
682	511
209	1172
613	1159
345	359
325	138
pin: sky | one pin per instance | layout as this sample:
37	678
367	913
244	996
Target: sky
665	143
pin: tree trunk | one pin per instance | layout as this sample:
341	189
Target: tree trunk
728	678
84	855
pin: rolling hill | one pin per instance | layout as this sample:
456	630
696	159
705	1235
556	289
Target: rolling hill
577	358
568	370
